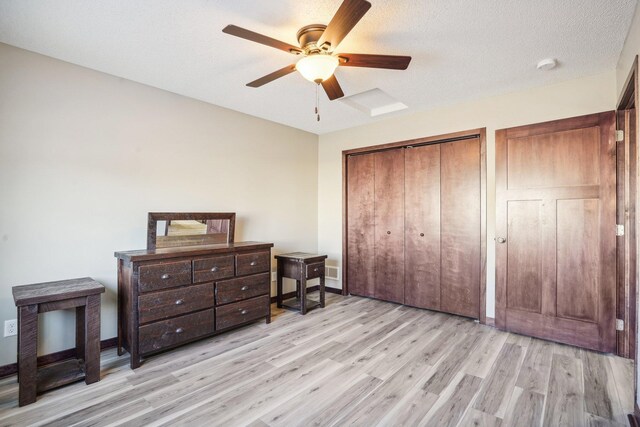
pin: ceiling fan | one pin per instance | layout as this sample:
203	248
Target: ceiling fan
318	42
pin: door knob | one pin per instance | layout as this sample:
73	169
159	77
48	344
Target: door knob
501	239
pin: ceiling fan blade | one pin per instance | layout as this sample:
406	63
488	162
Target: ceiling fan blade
392	62
332	88
271	77
347	16
259	38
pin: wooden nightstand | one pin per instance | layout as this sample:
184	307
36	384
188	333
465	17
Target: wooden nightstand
301	267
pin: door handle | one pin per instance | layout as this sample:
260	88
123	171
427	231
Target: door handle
501	240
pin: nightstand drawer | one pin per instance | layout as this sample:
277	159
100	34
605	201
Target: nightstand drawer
240	312
315	270
159	335
214	268
251	263
242	288
155	277
161	305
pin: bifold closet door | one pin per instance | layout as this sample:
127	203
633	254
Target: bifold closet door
442	230
422	227
460	227
389	224
360	217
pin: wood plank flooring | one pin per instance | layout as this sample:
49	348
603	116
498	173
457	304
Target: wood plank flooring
357	362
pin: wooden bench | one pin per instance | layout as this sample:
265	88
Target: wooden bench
83	295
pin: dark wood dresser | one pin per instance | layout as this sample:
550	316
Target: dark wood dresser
170	296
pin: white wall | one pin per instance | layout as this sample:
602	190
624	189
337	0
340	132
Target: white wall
630	49
84	156
568	99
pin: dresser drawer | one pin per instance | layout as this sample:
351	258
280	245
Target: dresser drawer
240	312
161	305
214	268
161	276
159	335
315	270
242	288
254	262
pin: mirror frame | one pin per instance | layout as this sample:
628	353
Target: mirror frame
154	217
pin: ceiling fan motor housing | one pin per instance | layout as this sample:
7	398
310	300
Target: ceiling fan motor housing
309	35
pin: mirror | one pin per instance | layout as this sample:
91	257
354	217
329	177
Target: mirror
169	230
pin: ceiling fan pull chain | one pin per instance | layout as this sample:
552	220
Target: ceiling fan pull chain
317	102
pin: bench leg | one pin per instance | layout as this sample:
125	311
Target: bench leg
80	332
92	339
27	353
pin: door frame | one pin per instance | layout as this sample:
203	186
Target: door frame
479	133
631	96
627	296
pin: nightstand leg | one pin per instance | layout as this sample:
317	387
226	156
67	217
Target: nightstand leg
279	284
303	295
268	319
322	291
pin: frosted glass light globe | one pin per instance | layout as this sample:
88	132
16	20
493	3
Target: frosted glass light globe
317	67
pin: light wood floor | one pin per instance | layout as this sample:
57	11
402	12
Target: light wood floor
357	362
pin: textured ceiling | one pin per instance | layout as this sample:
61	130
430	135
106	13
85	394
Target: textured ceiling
461	49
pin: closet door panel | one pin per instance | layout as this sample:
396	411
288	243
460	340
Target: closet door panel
460	227
360	220
389	225
422	227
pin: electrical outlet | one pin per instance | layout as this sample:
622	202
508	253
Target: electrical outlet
10	327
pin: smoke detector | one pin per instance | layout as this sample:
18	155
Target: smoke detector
547	64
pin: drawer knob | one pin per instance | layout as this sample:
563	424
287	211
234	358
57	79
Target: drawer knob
179	302
244	288
179	331
253	263
243	312
316	269
165	276
214	269
421	234
388	232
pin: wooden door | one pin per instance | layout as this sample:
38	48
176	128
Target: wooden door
389	224
443	227
422	227
460	227
360	217
555	231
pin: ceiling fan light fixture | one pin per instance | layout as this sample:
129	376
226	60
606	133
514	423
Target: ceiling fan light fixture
317	67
